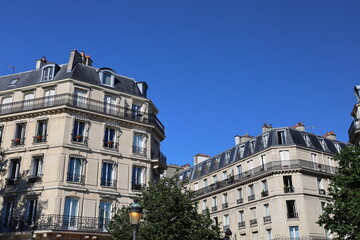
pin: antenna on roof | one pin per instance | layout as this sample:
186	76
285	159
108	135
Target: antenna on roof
311	127
11	67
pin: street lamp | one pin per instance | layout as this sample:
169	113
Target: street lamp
228	234
135	211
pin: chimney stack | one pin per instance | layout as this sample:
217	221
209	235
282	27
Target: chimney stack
74	59
330	135
266	128
299	126
237	139
245	138
198	158
41	62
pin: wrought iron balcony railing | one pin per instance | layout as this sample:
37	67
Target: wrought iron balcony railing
264	193
267	219
253	222
55	222
158	155
17	142
137	186
241	224
76	178
40	138
213	209
11	181
107	182
79	138
292	215
225	205
269	167
110	144
34	178
251	197
289	189
139	150
71	100
239	200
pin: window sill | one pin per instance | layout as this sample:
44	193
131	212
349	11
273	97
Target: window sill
79	143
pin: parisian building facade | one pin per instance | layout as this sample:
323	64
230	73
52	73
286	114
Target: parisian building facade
77	143
272	186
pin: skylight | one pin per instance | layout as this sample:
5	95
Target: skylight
14	81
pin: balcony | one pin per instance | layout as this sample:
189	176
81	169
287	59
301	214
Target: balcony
110	144
322	192
11	181
292	215
267	219
239	200
139	150
225	227
107	182
225	205
264	193
214	209
79	138
75	178
253	222
276	166
251	197
55	222
34	178
241	224
289	189
137	186
159	156
87	104
39	139
354	128
17	142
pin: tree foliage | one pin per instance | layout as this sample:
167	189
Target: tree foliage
119	226
342	214
169	213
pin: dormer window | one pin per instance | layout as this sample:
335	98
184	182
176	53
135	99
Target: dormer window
107	77
48	73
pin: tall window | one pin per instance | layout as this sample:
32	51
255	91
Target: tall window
75	169
14	170
294	232
109	138
320	184
267	217
323	144
204	206
284	158
225	175
337	146
107	78
241	151
108	174
268	234
225	200
6	105
265	140
281	137
71	212
109	104
264	191
78	134
214	204
253	214
48	73
250	167
288	185
138	177
80	98
239	170
241	218
49	97
205	181
8	212
240	196
252	146
41	128
214	179
226	221
196	186
251	192
227	157
136	113
307	140
19	134
139	143
314	160
291	209
104	214
31	207
263	161
36	169
29	101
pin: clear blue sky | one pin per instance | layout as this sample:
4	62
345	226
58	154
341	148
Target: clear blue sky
215	68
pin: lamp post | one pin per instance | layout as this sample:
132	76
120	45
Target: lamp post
135	211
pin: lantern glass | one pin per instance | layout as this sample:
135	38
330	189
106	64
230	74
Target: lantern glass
134	218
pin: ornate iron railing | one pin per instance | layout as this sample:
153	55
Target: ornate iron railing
241	224
110	144
108	182
72	100
239	200
251	197
137	186
163	158
17	141
76	178
292	215
253	221
271	166
55	222
267	219
139	150
40	138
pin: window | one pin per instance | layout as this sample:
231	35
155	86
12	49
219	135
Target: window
225	175
314	160
253	220
41	128
239	170
268	234
71	212
135	111
225	200
31	207
196	186
240	196
294	232
281	137
14	170
104	214
139	146
80	98
109	138
204	206
109	105
265	140
252	146
227	157
263	162
6	105
19	134
241	219
226	221
78	134
138	177
255	236
241	151
8	212
36	169
1	132
307	140
214	204
337	146
108	174
267	217
264	191
47	73
28	101
214	178
291	210
320	185
284	158
14	81
75	169
323	144
107	78
49	97
250	167
251	192
205	181
288	186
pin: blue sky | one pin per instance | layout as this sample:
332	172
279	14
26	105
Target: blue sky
215	69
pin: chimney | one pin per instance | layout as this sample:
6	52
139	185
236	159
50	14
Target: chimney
198	158
266	128
88	60
83	59
41	62
245	138
299	126
143	87
330	135
74	59
186	166
237	139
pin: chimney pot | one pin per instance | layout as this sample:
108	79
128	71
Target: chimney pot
330	135
266	127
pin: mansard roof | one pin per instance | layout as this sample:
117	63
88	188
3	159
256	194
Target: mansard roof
292	136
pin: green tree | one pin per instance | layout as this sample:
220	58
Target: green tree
119	226
169	213
342	214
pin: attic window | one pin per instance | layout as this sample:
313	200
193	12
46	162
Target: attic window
323	144
252	146
107	78
307	140
337	146
265	140
48	73
281	137
14	81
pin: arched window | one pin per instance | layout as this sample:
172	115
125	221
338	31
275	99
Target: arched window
107	77
48	73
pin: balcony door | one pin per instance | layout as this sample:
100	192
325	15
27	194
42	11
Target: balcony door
109	105
104	214
108	174
75	169
80	99
29	101
49	97
284	158
70	213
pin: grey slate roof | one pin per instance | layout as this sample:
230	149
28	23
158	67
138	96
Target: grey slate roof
80	72
293	137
